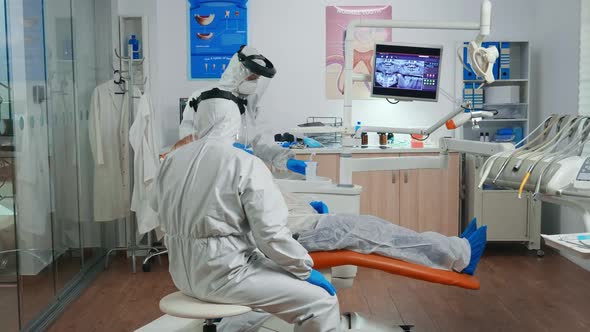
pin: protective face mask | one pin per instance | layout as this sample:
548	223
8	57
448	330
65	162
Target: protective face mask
247	87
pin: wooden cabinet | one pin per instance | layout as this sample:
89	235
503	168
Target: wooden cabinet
429	198
380	195
422	200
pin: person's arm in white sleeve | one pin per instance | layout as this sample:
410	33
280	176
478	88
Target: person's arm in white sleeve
272	153
267	213
186	126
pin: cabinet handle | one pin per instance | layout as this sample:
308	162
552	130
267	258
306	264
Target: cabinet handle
406	177
393	177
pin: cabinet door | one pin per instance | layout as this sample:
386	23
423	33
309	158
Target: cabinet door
380	195
328	165
429	198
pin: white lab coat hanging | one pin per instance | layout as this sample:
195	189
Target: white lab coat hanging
108	133
145	163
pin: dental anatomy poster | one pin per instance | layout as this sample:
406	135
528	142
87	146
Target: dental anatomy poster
337	19
217	29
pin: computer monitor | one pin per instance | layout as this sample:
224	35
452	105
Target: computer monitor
406	72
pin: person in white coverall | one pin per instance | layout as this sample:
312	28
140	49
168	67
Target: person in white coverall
225	219
269	152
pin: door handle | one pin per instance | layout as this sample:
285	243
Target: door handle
393	177
406	177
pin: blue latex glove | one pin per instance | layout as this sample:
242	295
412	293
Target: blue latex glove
296	166
312	143
316	278
288	144
320	207
244	147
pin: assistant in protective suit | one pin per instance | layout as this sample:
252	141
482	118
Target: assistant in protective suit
248	83
225	221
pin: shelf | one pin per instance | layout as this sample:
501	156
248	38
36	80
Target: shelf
505	104
499	82
503	120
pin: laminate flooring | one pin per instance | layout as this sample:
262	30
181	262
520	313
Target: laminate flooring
519	292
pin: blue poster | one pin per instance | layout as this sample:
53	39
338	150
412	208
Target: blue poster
217	29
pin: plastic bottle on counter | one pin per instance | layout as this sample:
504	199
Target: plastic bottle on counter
364	139
390	138
357	127
382	139
134	42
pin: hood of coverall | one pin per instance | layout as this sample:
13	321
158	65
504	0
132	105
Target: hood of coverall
220	118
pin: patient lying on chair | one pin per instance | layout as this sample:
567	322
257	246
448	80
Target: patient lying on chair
317	230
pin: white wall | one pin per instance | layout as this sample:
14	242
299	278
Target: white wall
295	44
555	86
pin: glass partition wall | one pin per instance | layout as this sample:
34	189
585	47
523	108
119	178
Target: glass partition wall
48	70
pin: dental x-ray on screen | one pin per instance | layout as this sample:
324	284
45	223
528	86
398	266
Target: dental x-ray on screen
406	72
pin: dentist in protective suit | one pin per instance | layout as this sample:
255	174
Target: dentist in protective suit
225	219
252	87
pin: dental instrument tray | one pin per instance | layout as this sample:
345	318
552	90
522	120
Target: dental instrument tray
324	121
312	124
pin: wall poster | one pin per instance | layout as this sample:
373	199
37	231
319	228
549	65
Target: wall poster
217	29
337	19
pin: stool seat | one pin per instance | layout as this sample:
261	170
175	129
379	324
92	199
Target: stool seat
180	305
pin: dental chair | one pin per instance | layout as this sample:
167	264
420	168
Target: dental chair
340	266
184	313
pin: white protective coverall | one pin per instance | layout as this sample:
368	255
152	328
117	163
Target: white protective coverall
225	224
262	146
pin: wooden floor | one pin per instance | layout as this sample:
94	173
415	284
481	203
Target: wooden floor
519	292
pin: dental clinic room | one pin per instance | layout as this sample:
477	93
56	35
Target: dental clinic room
294	166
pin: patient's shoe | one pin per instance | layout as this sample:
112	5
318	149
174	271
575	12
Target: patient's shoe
470	228
477	241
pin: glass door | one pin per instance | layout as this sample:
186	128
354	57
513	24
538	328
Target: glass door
9	309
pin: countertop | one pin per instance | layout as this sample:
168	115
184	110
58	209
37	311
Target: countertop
369	149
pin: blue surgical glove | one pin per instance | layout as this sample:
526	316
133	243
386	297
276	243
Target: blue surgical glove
312	143
316	278
246	148
320	207
289	144
296	166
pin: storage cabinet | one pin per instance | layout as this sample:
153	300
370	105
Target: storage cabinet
508	218
422	200
429	198
380	196
512	71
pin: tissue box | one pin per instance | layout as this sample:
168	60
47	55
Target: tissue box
502	94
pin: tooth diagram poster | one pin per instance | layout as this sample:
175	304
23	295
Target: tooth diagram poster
217	29
337	19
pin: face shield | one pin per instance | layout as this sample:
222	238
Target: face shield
256	63
261	71
249	119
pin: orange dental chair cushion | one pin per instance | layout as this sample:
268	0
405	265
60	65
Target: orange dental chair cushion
327	259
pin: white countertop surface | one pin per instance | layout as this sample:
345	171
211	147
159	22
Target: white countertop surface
369	149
